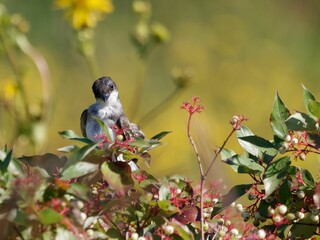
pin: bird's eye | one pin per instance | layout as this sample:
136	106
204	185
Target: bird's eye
111	86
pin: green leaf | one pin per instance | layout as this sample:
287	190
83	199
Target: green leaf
259	147
314	108
307	97
6	161
165	190
160	135
118	175
80	154
275	174
104	128
234	193
71	135
278	117
285	195
301	122
48	216
79	190
167	207
139	143
242	164
79	169
307	178
48	164
181	232
263	208
68	149
113	233
303	231
227	153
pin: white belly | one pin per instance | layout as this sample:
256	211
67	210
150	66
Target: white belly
95	133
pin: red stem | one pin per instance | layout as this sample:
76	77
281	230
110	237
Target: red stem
202	181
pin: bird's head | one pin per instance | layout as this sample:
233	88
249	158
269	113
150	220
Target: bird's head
105	90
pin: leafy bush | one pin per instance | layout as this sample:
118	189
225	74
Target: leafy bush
92	195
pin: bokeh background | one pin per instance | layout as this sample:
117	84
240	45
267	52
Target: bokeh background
240	53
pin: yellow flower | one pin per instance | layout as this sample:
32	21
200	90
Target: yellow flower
85	13
8	90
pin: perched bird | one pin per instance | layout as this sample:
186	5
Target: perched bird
108	108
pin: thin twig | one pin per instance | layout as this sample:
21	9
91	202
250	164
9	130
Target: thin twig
44	73
158	108
16	72
202	181
219	151
137	94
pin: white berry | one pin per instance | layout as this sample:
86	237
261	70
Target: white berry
261	234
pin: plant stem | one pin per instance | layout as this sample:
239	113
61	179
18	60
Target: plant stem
218	152
202	176
158	108
16	72
137	94
91	65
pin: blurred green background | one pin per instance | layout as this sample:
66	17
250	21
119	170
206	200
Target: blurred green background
240	52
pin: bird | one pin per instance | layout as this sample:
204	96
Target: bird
107	108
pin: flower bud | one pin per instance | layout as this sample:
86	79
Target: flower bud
141	7
282	209
215	200
160	32
90	232
301	194
245	215
256	223
168	229
277	218
302	156
83	216
290	217
271	211
234	120
257	215
220	221
228	223
315	211
120	137
314	218
300	215
134	236
239	207
294	141
251	196
287	138
221	233
205	226
261	234
142	33
234	231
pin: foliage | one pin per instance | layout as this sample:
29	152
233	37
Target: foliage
99	192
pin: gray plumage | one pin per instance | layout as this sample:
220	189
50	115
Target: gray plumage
107	108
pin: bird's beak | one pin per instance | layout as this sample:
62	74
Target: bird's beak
105	97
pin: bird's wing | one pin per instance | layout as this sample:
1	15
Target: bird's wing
129	129
83	122
124	124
